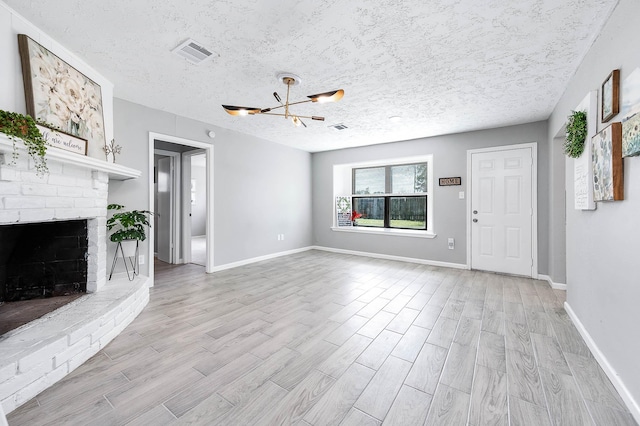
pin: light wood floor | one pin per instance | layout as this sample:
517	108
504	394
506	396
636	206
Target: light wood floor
325	339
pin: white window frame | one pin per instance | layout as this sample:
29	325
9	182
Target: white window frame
343	185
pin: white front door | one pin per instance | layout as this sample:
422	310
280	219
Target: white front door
164	209
502	211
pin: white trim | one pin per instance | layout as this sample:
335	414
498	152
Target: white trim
343	183
385	231
391	257
209	199
552	284
259	259
632	405
534	198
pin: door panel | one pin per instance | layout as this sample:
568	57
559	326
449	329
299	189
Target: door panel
163	214
501	204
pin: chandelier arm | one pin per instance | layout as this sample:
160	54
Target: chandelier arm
311	117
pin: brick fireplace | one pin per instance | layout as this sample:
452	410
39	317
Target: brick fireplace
74	193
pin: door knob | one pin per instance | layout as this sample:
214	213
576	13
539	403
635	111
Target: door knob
475	220
475	212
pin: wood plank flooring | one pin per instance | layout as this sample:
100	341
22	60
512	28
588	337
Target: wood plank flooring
320	338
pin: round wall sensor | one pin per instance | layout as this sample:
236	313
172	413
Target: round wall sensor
211	134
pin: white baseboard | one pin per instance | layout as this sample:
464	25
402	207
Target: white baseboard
632	405
258	259
554	285
391	257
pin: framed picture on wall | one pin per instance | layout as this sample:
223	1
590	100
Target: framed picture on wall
59	96
611	96
606	154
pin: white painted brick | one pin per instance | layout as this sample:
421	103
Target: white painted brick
8	173
100	176
70	192
28	392
84	203
19	381
7	372
42	355
71	213
90	212
79	359
100	202
33	177
104	329
62	180
85	183
70	170
36	215
126	312
9	188
24	203
9	404
40	189
85	330
55	167
59	202
9	216
100	186
72	351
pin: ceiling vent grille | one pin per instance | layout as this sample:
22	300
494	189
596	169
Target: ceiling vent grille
194	52
338	127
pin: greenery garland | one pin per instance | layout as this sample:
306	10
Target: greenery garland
23	127
576	134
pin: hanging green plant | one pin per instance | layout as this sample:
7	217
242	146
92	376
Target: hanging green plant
576	134
17	126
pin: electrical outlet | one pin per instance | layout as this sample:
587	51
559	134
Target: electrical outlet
281	237
451	243
141	259
461	195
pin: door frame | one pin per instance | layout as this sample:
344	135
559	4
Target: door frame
534	198
208	148
174	209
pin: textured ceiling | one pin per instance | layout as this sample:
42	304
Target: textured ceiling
444	66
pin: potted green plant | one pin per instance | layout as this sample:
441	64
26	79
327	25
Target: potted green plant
18	126
130	229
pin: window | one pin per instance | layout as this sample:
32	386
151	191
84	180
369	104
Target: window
391	196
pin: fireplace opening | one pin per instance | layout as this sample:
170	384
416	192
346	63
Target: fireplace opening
41	261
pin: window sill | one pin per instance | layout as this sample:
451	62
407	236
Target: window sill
384	231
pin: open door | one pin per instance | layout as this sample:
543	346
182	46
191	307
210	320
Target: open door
163	216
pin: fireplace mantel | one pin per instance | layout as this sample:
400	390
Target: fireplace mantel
115	171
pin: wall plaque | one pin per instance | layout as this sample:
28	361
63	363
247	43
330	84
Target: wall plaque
450	181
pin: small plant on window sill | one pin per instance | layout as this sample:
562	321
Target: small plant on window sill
355	215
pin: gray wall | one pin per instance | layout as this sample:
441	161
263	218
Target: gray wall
199	209
255	197
450	159
603	245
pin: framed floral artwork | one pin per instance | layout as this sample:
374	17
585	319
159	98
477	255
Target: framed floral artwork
611	96
59	96
606	155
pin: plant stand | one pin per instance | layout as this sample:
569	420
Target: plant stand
135	266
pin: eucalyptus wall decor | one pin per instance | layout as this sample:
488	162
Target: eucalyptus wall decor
576	134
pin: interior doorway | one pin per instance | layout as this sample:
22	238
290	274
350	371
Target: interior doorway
170	221
194	171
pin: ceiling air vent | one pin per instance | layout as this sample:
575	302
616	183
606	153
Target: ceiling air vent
194	52
338	127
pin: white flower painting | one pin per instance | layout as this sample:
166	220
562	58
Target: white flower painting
62	96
